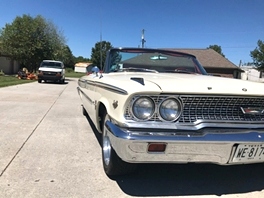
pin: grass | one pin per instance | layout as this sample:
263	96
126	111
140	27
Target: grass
70	73
12	80
74	74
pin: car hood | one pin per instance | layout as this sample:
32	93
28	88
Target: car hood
50	69
181	83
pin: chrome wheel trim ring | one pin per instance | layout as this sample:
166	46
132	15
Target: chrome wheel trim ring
106	147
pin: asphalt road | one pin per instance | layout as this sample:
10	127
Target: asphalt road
49	149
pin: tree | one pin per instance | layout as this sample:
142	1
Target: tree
66	56
29	40
216	48
81	59
99	50
258	56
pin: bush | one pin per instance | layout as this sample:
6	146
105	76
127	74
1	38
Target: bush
69	70
2	73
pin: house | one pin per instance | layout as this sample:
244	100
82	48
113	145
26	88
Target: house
214	63
7	65
252	74
82	67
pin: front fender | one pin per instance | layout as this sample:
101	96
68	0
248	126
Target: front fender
102	106
114	105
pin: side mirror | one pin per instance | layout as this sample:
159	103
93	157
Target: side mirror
95	70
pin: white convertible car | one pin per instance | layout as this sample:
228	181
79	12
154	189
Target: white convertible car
160	106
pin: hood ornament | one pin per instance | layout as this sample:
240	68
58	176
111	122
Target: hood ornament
244	89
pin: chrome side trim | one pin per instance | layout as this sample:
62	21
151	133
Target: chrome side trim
85	95
107	87
111	88
81	83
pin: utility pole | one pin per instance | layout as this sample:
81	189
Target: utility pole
142	38
101	61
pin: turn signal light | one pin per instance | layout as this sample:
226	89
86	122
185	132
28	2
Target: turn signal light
157	147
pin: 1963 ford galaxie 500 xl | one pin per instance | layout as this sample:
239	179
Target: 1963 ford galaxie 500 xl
160	106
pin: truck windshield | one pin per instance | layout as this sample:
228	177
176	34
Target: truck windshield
51	64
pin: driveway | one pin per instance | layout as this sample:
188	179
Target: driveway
49	149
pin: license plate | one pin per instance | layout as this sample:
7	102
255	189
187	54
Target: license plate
249	153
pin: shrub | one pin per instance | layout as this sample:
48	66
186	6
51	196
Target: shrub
69	70
2	73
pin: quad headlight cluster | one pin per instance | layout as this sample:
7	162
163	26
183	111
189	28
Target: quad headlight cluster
144	108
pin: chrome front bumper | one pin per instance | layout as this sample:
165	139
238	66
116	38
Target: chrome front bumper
216	148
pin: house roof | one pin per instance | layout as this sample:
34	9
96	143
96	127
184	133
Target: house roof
81	64
147	60
209	58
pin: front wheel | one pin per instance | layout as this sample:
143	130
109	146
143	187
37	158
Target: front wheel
113	165
39	81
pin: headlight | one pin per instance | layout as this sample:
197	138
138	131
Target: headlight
143	108
170	109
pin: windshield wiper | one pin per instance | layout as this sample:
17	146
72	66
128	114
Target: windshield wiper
138	69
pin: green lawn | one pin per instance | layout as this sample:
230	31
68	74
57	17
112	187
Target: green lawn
12	80
74	74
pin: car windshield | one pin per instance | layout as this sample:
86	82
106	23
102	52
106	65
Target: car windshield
150	60
51	64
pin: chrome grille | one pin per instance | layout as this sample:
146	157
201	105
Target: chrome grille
48	73
212	108
219	108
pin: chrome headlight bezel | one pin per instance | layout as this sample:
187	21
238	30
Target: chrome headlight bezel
139	115
177	114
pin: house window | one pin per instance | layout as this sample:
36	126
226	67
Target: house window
261	74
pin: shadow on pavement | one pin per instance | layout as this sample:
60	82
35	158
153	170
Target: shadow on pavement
70	79
96	133
192	179
189	179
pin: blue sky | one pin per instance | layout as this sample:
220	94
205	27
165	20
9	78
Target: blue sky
235	25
